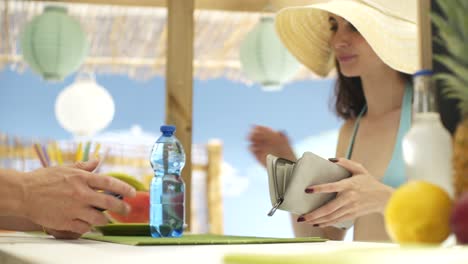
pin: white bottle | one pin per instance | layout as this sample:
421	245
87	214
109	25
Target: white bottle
427	147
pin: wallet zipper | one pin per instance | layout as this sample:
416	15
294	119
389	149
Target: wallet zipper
279	197
275	207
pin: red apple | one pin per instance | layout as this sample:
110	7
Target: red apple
459	219
140	205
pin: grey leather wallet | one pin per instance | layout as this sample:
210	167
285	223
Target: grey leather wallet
288	180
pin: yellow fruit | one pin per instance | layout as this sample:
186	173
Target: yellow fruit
139	186
418	212
147	180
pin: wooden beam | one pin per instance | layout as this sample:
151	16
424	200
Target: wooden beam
223	5
425	34
179	83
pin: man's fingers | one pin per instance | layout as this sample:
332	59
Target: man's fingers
89	165
108	183
92	216
78	226
108	202
63	234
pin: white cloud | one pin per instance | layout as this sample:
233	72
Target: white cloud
256	171
135	135
233	184
322	144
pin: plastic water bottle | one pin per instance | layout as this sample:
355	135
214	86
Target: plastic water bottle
167	190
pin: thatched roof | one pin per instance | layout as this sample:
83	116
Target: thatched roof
131	40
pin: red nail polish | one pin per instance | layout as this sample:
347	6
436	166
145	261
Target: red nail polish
309	190
333	159
300	219
315	225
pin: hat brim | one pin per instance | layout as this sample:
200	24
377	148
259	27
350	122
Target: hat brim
305	31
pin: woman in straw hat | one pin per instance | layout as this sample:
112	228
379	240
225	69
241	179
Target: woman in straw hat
373	44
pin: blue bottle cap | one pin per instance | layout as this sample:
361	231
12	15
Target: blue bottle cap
168	129
422	73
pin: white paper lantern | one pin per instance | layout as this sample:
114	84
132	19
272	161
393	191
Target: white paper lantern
84	107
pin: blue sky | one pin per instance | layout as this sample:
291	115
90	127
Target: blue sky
221	109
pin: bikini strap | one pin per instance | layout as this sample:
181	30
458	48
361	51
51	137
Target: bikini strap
353	137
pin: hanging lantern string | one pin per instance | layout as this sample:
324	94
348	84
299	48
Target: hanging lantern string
268	10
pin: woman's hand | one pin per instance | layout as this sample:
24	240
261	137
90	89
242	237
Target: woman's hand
264	141
65	198
359	195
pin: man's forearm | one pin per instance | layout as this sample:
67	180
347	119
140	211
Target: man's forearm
18	224
12	193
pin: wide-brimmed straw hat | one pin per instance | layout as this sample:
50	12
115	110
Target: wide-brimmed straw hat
389	26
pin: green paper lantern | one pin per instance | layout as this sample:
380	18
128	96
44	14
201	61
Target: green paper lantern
264	59
54	44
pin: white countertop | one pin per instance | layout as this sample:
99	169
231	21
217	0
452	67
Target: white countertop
16	248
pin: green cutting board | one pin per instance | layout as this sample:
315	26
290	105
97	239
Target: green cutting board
197	240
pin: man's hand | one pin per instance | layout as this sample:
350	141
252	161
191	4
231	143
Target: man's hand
65	198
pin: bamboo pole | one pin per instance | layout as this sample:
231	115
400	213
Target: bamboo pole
214	187
179	82
225	5
137	62
424	34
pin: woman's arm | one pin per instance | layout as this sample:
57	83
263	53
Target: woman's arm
264	141
333	233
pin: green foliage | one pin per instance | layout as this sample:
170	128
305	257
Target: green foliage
453	35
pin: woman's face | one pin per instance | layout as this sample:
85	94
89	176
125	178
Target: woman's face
353	53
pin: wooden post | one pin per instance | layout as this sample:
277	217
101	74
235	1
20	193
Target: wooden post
214	187
425	34
179	82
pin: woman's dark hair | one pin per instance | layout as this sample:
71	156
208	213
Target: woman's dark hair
349	95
